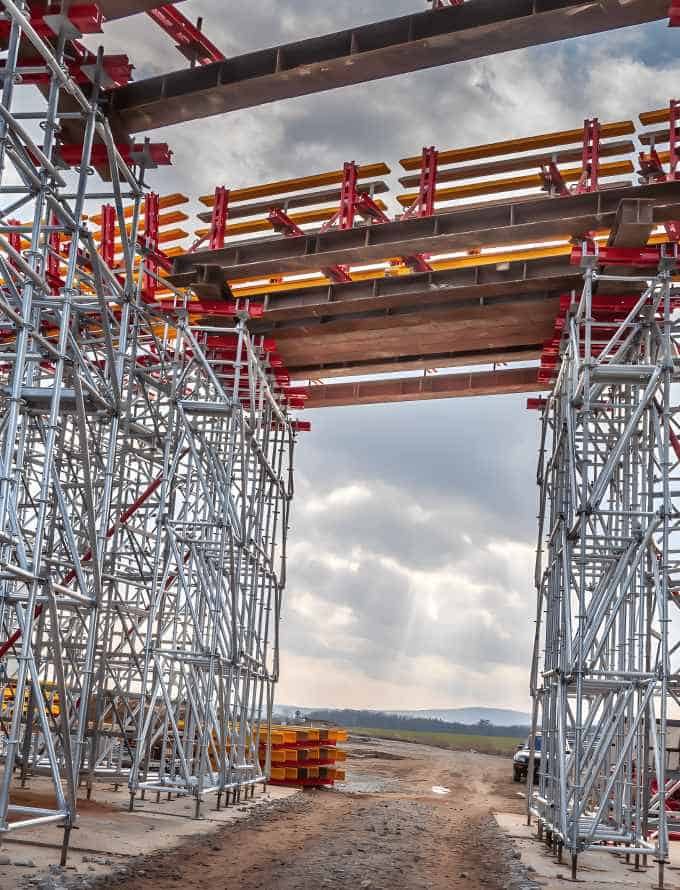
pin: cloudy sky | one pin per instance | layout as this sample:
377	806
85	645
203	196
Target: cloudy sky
412	542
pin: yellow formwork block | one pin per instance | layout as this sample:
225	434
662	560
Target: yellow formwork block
291	773
339	775
340	755
278	774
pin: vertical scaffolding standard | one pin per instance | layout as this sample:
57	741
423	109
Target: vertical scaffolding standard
608	565
145	482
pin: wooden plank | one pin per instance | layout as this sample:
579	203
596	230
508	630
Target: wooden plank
418	363
526	143
436	386
514	183
298	184
513	165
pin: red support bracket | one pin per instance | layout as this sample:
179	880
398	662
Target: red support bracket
424	203
108	233
674	159
344	216
536	404
150	154
626	256
14	238
590	177
54	259
46	18
283	224
651	168
190	40
673	230
338	274
365	206
553	181
674	15
220	216
418	262
150	242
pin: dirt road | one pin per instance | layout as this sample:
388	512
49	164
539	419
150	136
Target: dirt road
410	817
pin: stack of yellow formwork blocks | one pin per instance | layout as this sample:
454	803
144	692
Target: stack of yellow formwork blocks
305	755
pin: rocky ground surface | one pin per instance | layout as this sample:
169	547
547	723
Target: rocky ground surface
409	817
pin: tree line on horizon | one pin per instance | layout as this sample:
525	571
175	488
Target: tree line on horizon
380	720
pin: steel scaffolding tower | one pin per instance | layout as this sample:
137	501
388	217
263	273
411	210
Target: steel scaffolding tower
145	482
608	564
63	322
211	651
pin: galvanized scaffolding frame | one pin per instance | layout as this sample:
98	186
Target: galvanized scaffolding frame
99	382
64	320
608	560
211	654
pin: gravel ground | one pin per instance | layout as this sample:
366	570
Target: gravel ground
409	818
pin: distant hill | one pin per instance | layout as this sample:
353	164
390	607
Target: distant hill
466	716
470	716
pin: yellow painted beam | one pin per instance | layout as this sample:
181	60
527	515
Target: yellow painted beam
283	186
164	202
514	183
655	117
527	143
165	219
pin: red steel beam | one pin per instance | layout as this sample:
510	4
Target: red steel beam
191	41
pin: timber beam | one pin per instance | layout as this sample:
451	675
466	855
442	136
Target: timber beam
435	386
525	220
396	46
412	361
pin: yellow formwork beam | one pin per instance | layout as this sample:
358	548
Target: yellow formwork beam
164	202
510	146
165	219
514	183
655	117
301	183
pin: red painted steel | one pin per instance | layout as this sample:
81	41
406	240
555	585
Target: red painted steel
220	216
108	232
191	41
157	153
424	203
150	241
